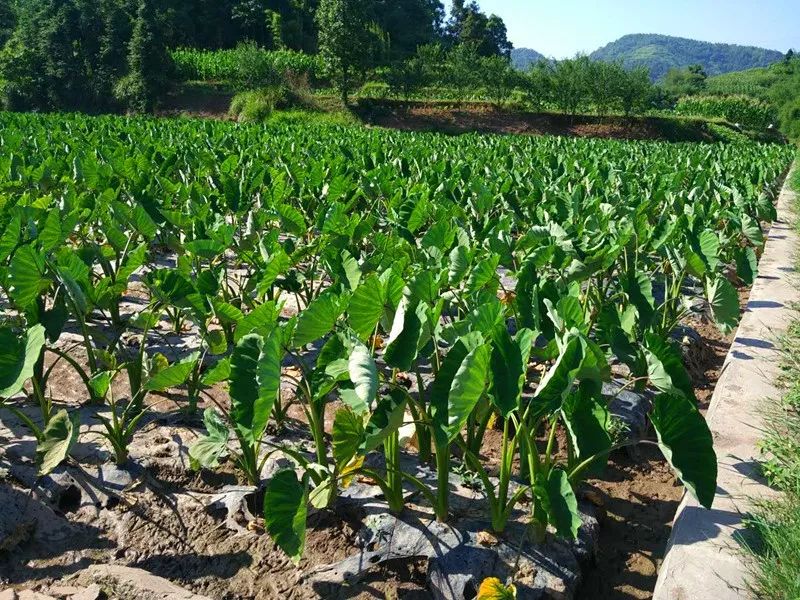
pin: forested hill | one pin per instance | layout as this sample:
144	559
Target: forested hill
660	53
523	58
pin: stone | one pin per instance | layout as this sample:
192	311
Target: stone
128	583
64	591
8	594
93	592
31	595
631	408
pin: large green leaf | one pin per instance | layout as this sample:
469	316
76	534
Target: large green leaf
254	383
58	438
26	276
640	291
458	265
366	306
587	421
348	435
285	512
10	237
559	380
268	376
709	246
507	371
724	303
752	231
402	345
317	320
665	367
261	319
351	269
559	503
18	358
469	384
50	235
174	375
687	444
363	373
746	265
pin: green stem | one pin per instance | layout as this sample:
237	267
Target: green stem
317	413
394	478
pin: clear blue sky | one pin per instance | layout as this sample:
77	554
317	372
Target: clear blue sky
560	28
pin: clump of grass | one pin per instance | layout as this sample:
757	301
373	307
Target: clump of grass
256	106
312	117
776	524
252	106
777	556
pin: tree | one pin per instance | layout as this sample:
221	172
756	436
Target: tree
344	41
8	20
569	83
251	20
469	25
43	64
681	82
409	24
633	89
498	35
148	62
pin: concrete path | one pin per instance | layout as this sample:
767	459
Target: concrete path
704	560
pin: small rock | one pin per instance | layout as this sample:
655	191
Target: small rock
31	595
93	592
128	583
486	538
64	591
8	594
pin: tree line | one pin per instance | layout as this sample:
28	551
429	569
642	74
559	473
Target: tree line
100	55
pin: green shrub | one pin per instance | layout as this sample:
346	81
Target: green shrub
253	106
257	105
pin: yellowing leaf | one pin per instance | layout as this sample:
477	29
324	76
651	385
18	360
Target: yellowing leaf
493	589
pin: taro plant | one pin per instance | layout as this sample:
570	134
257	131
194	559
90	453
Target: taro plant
254	383
58	432
120	426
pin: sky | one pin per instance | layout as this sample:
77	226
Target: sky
561	28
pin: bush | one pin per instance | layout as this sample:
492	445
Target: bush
253	106
254	68
132	92
257	105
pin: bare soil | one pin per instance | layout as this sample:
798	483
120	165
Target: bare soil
458	118
213	102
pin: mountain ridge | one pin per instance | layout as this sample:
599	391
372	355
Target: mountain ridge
660	53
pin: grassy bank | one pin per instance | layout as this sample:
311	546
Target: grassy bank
776	567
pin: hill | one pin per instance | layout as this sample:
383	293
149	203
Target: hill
660	53
522	58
